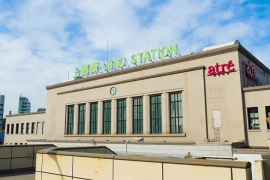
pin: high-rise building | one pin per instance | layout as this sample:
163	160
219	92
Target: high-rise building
2	102
24	105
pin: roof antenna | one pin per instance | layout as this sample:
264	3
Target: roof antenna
107	50
189	38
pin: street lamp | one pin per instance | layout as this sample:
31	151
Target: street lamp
134	138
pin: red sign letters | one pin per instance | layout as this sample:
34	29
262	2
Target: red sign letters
219	69
250	70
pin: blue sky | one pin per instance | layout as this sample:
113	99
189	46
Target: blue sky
41	41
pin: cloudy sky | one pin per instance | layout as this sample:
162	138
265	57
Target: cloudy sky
42	41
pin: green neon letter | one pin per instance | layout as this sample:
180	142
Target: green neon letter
95	67
167	52
104	67
174	49
133	59
76	73
85	70
122	62
159	53
115	63
140	56
153	53
110	65
147	56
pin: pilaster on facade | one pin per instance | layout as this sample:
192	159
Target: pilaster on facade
75	120
114	117
146	114
165	113
87	118
100	118
129	118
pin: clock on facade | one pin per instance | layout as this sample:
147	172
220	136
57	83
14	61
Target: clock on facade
113	91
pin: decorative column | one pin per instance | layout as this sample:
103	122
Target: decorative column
113	116
129	114
75	120
146	114
165	113
100	117
87	118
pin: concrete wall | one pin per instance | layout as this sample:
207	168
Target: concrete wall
258	97
19	157
37	118
69	165
159	150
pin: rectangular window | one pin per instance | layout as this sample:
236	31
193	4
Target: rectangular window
121	116
12	128
17	128
138	115
93	118
8	128
33	128
70	119
253	118
22	128
81	119
27	128
176	113
267	111
107	117
155	114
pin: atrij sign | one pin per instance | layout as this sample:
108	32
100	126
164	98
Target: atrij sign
221	69
135	59
250	70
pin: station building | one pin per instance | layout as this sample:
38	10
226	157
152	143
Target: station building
218	95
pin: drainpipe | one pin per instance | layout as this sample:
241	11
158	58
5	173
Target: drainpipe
205	105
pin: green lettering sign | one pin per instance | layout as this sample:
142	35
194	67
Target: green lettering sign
141	57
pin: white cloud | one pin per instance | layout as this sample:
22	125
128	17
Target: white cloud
40	41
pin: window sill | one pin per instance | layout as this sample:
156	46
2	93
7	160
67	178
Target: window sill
126	135
254	130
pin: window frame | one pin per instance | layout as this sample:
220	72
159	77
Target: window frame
176	112
156	114
267	114
137	117
253	118
107	117
22	128
69	120
93	118
121	116
81	119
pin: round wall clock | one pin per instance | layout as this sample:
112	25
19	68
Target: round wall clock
113	91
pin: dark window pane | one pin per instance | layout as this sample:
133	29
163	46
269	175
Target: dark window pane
107	117
93	118
155	114
176	117
253	118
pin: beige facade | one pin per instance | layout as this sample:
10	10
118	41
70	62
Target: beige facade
210	108
22	127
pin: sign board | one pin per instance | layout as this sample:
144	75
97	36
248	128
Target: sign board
135	59
217	119
250	70
221	69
